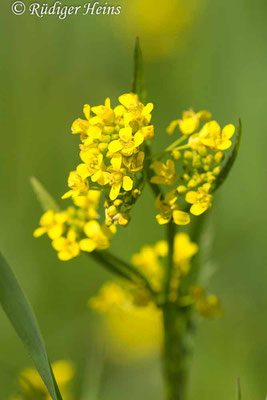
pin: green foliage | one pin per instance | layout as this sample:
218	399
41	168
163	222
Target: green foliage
21	316
138	85
45	199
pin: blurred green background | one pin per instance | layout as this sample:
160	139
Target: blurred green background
205	54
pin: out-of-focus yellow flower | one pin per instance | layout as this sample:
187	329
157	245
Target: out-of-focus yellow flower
67	247
98	237
163	27
134	331
207	306
32	386
89	202
184	250
165	173
190	122
200	200
51	223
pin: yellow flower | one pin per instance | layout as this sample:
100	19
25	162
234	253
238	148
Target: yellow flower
168	209
97	237
77	184
118	178
200	200
134	331
67	247
51	223
135	162
190	122
166	174
147	261
89	202
184	250
207	306
213	137
128	143
32	386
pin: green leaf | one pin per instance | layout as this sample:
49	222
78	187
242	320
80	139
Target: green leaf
21	316
238	389
231	160
138	85
45	199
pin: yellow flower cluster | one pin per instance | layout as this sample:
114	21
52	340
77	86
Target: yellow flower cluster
32	386
132	320
77	228
112	153
132	330
199	165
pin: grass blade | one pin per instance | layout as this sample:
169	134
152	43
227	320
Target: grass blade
238	388
138	85
44	197
21	316
231	160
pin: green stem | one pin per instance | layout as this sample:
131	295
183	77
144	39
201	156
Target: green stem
176	354
171	229
125	270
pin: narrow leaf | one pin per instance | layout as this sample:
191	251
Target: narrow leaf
45	199
138	85
21	316
231	160
238	388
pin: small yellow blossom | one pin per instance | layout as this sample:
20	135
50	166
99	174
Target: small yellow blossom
165	173
168	209
32	386
97	237
77	184
213	137
134	331
184	250
51	223
190	122
207	306
89	202
200	200
67	247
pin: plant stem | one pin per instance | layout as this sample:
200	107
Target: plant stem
176	350
171	229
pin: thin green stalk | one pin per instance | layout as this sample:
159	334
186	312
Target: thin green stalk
176	350
171	229
101	258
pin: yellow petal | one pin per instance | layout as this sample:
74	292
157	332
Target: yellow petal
191	197
39	232
59	244
147	109
228	131
87	245
125	134
116	162
86	111
161	220
138	138
55	232
115	190
67	195
226	144
114	146
204	115
181	217
92	228
94	132
197	209
170	129
127	183
82	170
